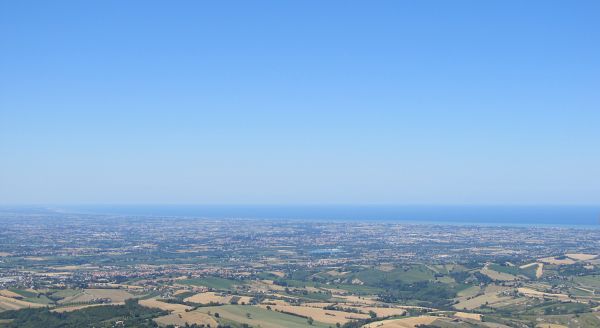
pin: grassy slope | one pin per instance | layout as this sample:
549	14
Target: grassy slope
212	282
258	316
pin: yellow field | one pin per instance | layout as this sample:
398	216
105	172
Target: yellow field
285	297
281	302
525	266
581	257
180	319
152	303
553	260
88	295
8	293
211	297
509	302
537	294
539	271
265	286
500	276
335	290
313	289
317	304
382	311
326	316
2	254
490	296
479	301
79	307
133	287
465	315
357	299
7	303
550	325
402	323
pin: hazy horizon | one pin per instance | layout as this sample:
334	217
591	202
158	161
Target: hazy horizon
544	215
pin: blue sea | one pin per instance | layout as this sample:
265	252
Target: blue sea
509	215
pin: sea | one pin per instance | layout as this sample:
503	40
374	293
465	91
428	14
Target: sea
541	215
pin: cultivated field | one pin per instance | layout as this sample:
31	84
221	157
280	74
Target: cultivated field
265	286
319	314
469	292
8	293
581	257
556	261
89	295
260	317
465	315
500	276
153	303
402	323
211	282
490	296
79	307
217	298
382	311
534	293
7	303
183	318
592	281
356	299
386	268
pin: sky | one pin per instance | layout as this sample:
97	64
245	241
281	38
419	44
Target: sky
299	102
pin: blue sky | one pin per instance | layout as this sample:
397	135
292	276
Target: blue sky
294	102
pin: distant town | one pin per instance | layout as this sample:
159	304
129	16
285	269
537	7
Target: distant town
134	271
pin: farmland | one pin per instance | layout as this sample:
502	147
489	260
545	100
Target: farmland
287	274
256	316
90	295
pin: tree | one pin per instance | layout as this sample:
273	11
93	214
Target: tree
372	314
310	320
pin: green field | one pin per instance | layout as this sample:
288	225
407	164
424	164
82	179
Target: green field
413	273
469	291
212	282
62	293
258	317
359	289
24	293
40	299
582	320
514	270
588	281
